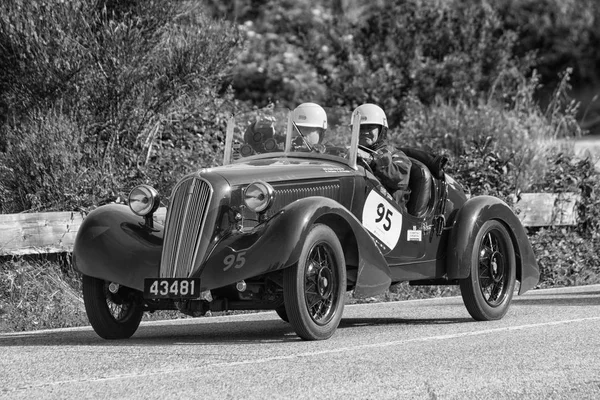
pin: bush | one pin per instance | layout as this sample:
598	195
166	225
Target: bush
347	53
564	34
136	78
495	148
568	255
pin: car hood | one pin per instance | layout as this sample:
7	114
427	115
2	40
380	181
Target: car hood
279	169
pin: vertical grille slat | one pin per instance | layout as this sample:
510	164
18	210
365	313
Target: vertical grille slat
184	225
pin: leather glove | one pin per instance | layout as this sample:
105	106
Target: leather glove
381	160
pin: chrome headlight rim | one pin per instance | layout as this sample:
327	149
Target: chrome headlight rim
143	200
258	196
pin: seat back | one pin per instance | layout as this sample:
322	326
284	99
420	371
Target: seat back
420	185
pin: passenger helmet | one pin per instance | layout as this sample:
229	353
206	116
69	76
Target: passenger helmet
310	115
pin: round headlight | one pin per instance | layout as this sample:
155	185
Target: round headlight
258	196
143	200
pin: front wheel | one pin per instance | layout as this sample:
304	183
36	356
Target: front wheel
488	290
314	288
114	311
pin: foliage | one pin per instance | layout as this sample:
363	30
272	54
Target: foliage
566	259
348	52
569	255
125	80
563	33
498	149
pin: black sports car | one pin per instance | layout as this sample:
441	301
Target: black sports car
291	226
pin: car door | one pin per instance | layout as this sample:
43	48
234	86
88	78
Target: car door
401	237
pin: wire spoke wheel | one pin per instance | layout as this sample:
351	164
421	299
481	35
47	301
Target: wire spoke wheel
114	311
488	290
493	279
321	283
314	288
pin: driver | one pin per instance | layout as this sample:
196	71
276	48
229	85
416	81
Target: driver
310	120
389	165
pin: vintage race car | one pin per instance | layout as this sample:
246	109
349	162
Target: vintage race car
291	226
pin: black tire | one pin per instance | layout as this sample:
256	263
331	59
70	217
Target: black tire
282	313
112	315
488	290
314	288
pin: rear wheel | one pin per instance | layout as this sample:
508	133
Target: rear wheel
114	311
488	290
314	288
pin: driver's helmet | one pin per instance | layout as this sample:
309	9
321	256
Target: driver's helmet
374	115
310	115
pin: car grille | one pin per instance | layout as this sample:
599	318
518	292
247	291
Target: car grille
287	194
183	228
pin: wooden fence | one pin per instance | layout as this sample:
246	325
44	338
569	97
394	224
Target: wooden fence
54	232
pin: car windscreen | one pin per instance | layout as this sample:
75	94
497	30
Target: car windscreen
273	131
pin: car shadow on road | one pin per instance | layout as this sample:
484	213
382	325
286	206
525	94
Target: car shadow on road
355	322
159	334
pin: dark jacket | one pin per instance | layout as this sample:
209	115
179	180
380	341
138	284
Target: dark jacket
392	167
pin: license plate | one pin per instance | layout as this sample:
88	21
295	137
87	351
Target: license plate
169	288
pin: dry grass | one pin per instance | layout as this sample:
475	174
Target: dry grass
39	295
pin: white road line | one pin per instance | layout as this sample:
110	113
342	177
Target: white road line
301	355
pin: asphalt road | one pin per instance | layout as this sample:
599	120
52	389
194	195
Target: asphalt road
546	347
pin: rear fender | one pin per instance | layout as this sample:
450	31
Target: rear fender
277	244
474	213
113	244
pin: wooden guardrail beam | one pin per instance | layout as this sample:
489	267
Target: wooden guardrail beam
547	209
44	233
54	232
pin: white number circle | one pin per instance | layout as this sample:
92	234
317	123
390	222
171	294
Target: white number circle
382	219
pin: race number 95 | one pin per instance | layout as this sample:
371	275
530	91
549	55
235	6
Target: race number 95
381	219
384	216
236	260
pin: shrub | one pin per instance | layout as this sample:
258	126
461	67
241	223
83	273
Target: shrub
346	53
46	166
135	79
495	148
563	33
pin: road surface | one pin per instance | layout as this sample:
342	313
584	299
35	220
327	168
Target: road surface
546	347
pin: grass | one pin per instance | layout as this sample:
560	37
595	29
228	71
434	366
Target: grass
39	295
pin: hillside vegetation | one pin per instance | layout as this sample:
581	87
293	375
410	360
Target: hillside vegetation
97	96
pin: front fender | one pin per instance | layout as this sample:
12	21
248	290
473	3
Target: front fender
277	244
113	244
474	213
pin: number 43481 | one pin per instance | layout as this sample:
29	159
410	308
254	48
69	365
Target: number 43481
172	288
